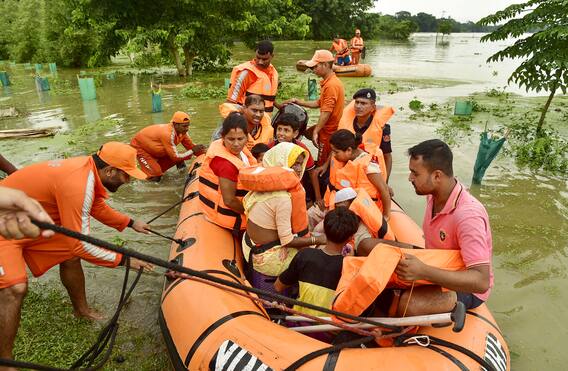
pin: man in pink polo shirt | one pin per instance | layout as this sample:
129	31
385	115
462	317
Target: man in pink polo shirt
454	219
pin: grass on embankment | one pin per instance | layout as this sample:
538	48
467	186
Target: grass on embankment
49	334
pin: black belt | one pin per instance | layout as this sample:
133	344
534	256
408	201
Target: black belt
210	184
259	249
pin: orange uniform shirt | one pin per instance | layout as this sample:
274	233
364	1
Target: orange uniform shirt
70	191
160	141
332	99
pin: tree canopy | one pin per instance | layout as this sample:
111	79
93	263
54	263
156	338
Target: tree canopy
544	52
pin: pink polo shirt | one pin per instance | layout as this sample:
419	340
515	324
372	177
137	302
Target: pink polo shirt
462	224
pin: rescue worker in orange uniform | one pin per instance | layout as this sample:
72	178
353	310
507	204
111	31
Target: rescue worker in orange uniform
219	195
364	117
259	125
257	76
156	146
357	46
70	191
330	103
341	49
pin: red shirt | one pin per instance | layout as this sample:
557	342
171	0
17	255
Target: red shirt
224	168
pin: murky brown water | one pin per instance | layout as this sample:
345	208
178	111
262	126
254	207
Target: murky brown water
529	211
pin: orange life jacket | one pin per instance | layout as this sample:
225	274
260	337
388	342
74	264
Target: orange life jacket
373	136
354	174
364	278
265	85
277	178
211	199
356	42
264	134
370	214
341	48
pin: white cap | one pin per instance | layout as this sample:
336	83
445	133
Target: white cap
345	194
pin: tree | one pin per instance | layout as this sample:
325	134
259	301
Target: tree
334	17
445	27
426	22
403	15
202	30
545	52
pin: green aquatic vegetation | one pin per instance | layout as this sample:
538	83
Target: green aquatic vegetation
200	91
49	334
455	130
119	241
477	107
293	89
415	105
497	93
61	86
547	151
89	137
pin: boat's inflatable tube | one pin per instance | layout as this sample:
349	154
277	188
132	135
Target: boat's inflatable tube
208	328
354	70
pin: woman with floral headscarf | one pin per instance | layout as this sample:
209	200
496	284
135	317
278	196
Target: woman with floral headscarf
270	241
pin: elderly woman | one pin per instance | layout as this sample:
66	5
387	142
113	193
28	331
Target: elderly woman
221	199
277	219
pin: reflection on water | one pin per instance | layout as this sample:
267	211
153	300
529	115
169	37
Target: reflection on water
91	111
528	212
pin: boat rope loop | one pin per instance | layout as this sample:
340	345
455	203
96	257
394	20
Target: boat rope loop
205	276
420	339
105	340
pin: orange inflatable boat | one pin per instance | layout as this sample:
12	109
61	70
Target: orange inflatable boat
355	70
208	327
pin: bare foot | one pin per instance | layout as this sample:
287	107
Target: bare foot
89	314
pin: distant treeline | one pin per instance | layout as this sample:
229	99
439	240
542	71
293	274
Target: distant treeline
401	25
191	34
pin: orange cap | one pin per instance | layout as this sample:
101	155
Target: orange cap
320	56
180	118
121	156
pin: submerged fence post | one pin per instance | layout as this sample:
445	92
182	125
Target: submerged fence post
42	83
157	101
463	108
312	89
4	78
87	88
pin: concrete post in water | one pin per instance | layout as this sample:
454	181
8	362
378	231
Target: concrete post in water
53	68
38	67
87	88
4	78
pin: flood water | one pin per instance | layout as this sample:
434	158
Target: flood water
528	211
